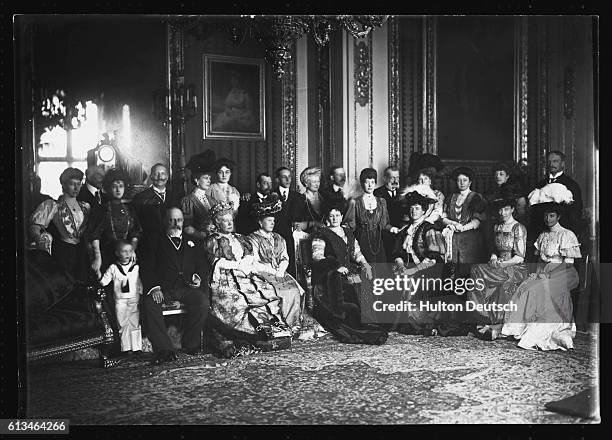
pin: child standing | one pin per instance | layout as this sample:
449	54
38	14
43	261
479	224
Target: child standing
127	289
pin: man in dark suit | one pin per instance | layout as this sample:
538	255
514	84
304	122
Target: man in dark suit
390	192
573	218
291	212
92	193
336	187
246	222
150	206
175	270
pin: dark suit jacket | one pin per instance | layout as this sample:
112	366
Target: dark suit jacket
246	222
393	205
573	217
291	212
170	269
97	209
150	211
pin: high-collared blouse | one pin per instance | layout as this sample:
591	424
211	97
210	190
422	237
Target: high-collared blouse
70	224
464	206
557	243
196	207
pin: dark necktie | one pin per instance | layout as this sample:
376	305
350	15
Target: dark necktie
284	197
392	193
176	241
163	196
98	197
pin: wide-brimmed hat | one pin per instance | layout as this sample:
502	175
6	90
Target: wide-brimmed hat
466	171
114	175
504	197
424	162
416	198
268	207
202	163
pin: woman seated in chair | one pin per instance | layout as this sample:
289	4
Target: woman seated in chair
272	260
544	312
337	268
505	269
419	254
245	307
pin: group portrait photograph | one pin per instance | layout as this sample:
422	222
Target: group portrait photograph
307	220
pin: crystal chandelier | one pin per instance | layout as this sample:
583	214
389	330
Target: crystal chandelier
277	33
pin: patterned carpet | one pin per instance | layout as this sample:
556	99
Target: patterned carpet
410	379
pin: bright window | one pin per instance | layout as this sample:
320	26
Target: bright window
59	149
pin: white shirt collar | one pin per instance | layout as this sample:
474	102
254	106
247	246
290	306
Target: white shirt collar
550	176
199	192
180	235
92	189
336	187
465	192
283	190
157	190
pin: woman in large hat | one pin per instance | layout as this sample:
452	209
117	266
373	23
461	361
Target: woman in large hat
505	269
118	222
245	307
463	213
69	218
196	206
544	312
221	190
424	169
338	271
419	254
272	260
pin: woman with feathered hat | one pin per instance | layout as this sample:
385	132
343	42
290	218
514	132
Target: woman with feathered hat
245	307
272	260
544	313
196	206
419	253
424	169
505	269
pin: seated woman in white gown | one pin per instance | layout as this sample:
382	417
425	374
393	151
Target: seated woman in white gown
544	313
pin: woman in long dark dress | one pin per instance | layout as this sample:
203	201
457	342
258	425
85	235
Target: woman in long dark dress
367	217
463	213
337	268
118	222
419	253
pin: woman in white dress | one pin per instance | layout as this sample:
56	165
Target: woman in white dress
221	190
544	313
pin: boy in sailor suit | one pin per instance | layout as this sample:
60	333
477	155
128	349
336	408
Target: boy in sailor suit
127	289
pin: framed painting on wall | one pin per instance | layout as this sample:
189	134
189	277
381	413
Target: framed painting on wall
234	98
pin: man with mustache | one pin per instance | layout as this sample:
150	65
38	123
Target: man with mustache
390	192
151	204
174	270
337	187
573	219
246	223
